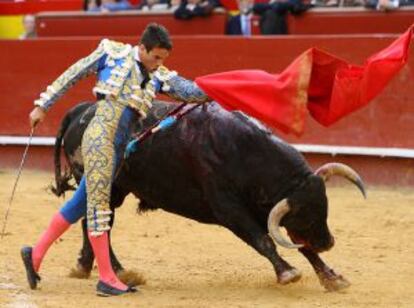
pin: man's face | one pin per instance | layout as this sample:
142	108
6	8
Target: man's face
29	23
154	58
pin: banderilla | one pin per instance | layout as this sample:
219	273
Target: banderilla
168	120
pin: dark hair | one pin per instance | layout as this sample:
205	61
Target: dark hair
154	36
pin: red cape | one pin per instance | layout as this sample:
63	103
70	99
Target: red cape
323	84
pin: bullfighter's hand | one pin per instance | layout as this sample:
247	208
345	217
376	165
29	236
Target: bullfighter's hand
37	115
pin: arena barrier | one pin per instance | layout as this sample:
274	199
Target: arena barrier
377	140
314	21
52	24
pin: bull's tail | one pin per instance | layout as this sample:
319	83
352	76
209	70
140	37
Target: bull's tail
61	181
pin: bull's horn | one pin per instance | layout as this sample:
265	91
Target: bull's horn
275	216
330	169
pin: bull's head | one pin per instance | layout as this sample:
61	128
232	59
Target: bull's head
304	213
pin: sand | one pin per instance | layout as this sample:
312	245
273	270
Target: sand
188	264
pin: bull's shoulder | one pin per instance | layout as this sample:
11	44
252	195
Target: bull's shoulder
238	124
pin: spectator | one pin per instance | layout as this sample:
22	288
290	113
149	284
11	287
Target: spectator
325	3
240	23
29	26
149	5
273	14
382	5
188	9
106	5
91	5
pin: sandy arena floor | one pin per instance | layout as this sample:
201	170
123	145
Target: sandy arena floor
187	264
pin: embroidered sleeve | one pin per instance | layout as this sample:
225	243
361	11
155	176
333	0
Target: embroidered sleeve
180	88
74	73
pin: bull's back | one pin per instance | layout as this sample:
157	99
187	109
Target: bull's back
209	149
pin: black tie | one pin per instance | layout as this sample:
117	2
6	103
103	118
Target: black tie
145	74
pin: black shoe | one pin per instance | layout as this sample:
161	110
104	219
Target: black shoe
32	277
104	289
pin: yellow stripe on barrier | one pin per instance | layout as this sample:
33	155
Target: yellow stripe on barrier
11	27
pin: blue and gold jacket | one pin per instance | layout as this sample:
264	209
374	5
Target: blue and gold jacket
119	78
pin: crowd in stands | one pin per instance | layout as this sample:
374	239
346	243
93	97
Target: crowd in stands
183	9
186	9
271	14
107	5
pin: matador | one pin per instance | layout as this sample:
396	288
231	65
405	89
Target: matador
128	79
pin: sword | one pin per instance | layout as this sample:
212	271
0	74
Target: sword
15	183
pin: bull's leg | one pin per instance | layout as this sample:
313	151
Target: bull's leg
284	271
327	277
129	277
116	265
86	256
117	198
244	225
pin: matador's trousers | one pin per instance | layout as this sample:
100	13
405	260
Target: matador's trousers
103	146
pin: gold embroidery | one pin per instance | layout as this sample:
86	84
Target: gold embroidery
98	153
301	97
116	50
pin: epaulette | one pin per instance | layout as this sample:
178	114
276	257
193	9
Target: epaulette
115	50
163	74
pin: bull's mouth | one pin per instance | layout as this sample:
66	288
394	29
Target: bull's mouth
298	240
306	245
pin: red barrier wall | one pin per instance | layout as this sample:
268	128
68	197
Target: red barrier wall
123	23
29	66
315	21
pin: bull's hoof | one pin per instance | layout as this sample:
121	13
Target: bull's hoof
80	272
131	278
289	276
335	283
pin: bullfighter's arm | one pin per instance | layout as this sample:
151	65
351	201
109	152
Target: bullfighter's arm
74	73
179	88
186	90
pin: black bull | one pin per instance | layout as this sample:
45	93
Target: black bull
222	168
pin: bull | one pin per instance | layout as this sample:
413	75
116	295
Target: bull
224	168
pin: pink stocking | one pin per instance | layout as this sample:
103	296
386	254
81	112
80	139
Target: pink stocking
56	228
100	245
